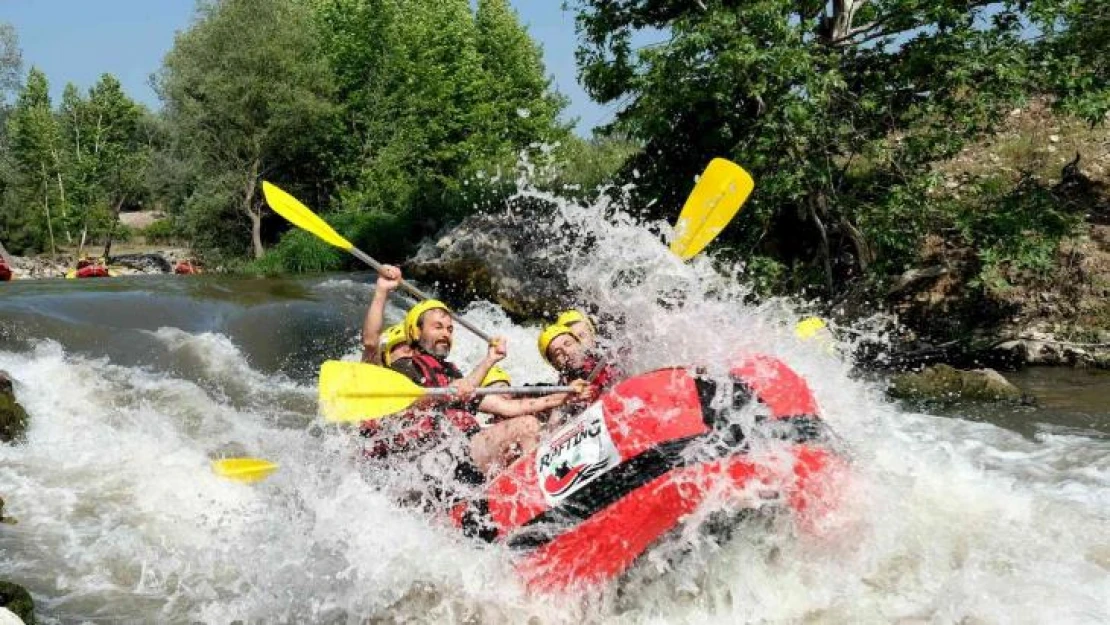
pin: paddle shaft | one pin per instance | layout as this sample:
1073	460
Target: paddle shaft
481	392
597	369
417	293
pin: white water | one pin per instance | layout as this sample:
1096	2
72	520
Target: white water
121	519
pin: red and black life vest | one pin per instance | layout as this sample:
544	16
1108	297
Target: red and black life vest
607	377
419	428
436	373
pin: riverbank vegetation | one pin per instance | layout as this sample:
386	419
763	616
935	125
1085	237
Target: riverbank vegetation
886	136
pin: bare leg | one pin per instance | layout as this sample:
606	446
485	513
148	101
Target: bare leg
497	446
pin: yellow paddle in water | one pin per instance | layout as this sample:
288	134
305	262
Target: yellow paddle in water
715	200
244	469
354	391
299	215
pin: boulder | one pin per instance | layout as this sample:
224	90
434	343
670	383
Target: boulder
13	418
509	258
143	263
945	383
16	599
5	519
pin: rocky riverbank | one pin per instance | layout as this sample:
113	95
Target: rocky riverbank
13	423
136	263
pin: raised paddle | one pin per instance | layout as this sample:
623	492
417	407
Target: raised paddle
355	391
299	215
715	200
244	469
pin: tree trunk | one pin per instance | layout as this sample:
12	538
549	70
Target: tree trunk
112	228
864	255
65	217
254	209
816	206
46	208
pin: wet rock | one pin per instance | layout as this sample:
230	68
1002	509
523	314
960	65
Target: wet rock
13	418
39	267
508	258
16	599
143	263
945	383
1042	348
5	519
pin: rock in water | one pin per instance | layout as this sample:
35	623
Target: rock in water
18	602
511	258
13	418
945	383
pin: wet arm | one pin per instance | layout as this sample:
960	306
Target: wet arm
372	327
508	408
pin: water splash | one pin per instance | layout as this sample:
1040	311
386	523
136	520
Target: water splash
944	520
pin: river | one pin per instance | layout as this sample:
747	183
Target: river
976	515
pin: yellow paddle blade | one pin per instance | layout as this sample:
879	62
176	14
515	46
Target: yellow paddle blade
244	469
712	204
354	391
300	216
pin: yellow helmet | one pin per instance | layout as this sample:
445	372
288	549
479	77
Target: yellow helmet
495	375
412	319
567	317
393	336
550	333
809	327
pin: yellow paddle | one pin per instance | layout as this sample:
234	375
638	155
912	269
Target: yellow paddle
299	215
715	200
354	391
244	469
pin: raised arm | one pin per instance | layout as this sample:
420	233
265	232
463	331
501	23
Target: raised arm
388	280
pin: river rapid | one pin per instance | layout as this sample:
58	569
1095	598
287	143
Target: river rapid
134	384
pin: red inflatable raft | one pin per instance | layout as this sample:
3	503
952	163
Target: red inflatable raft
5	271
607	485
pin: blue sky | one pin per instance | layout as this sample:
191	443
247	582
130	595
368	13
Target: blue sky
78	40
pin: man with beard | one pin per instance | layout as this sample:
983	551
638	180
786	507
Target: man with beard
430	330
561	347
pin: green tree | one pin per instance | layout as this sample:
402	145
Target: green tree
525	105
838	108
72	119
34	137
11	69
11	62
248	94
439	99
117	147
1074	54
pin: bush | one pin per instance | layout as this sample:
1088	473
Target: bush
161	232
297	252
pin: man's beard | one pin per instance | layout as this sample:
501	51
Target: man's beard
441	349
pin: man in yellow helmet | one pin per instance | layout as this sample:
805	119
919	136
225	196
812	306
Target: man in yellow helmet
430	328
560	346
580	325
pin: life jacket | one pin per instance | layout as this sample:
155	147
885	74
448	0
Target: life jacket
438	373
608	376
420	428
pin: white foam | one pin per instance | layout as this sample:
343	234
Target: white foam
944	520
